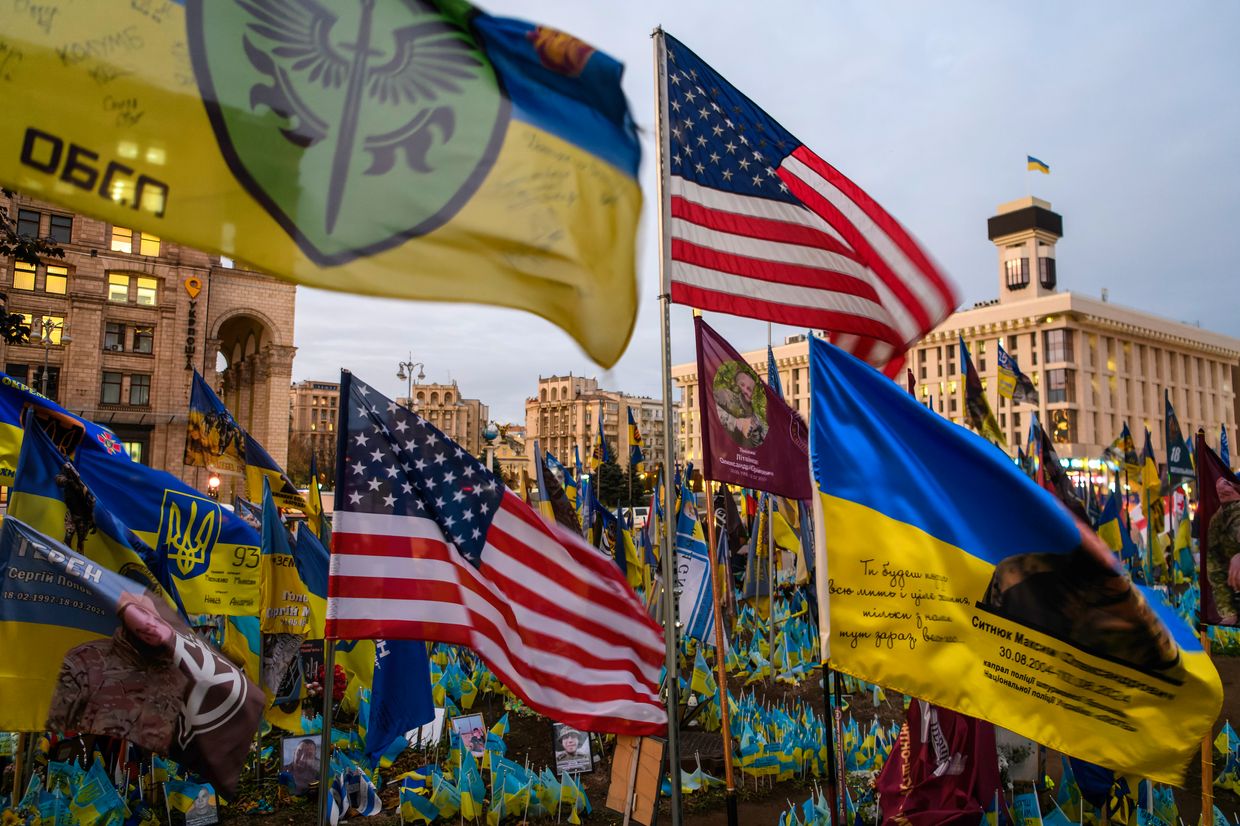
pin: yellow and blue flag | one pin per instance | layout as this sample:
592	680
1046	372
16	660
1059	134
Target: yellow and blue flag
285	597
315	517
955	578
565	479
1034	165
977	407
636	457
377	148
601	453
88	650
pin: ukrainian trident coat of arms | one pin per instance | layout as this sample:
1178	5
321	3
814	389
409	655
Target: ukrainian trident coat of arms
357	125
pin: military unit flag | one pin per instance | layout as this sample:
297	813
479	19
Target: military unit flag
762	227
636	457
977	407
1179	457
430	545
378	148
750	436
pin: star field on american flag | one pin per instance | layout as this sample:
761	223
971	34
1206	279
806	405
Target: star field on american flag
719	137
398	463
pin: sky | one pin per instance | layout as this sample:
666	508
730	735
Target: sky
931	108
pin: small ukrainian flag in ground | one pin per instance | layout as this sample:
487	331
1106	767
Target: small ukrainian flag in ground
1037	166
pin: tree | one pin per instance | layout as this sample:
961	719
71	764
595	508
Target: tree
300	448
29	249
610	484
636	490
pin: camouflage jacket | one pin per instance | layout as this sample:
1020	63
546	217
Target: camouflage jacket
107	687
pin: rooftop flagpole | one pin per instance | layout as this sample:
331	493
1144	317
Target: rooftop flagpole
669	451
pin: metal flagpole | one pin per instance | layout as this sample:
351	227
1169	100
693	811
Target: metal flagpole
770	558
720	576
669	455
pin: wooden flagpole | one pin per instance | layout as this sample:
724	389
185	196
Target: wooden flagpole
669	457
720	575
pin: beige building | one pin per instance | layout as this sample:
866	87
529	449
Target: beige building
1096	364
313	414
564	415
461	419
129	316
510	455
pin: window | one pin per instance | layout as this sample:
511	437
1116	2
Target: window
56	280
147	288
139	390
19	372
1058	386
135	450
28	222
110	392
122	239
53	328
149	245
118	288
1046	272
113	336
1058	345
23	275
50	388
1016	271
144	340
62	228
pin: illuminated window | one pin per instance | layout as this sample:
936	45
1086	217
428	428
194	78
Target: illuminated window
118	288
144	339
62	228
56	280
51	325
110	389
149	245
140	390
147	289
134	449
122	239
23	275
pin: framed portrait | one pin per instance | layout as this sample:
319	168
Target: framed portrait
473	733
299	762
573	750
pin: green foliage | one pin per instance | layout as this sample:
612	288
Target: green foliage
610	484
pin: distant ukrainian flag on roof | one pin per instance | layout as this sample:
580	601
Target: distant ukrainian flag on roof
953	577
1038	166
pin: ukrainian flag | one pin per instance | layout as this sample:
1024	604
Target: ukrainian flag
427	151
951	576
1034	165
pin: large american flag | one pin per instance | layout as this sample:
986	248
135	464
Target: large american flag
427	544
762	227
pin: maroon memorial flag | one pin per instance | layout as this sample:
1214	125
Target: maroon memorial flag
1218	536
943	769
750	437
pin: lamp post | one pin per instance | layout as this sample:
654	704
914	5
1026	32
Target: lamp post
490	433
46	330
404	372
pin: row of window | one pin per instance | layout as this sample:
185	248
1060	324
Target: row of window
113	389
123	288
60	229
138	338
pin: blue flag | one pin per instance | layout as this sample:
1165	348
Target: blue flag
1224	449
400	698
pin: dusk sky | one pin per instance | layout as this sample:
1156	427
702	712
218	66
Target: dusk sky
932	109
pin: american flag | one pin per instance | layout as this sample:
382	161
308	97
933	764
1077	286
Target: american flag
428	544
762	227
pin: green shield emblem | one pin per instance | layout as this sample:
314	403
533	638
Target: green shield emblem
355	125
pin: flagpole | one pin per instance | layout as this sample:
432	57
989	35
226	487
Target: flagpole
669	455
712	529
1207	754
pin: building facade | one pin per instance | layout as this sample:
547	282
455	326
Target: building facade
1096	365
122	321
460	419
314	408
564	416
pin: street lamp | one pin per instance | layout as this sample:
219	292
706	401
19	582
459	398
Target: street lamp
404	372
490	433
45	331
213	485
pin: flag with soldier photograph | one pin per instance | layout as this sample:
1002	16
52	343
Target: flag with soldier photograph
88	650
750	436
213	439
1218	537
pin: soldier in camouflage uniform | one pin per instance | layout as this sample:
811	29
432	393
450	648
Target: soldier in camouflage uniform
126	686
1223	560
1083	598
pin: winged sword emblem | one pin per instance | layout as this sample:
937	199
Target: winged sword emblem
356	125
